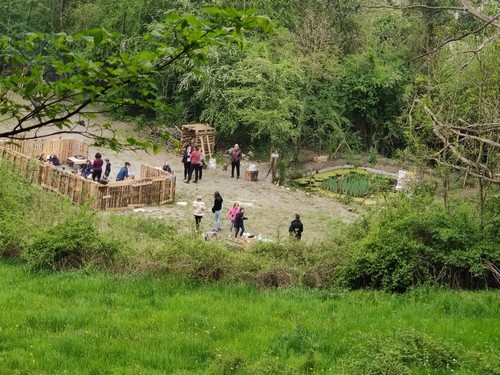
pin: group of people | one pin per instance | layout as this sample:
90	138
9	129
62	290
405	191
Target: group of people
194	162
193	159
93	169
236	215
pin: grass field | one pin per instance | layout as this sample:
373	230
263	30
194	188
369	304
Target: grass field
91	323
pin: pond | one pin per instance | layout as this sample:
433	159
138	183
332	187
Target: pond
356	184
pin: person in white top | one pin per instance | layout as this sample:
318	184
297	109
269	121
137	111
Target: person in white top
199	209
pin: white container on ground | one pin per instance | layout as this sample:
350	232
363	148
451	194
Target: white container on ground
212	163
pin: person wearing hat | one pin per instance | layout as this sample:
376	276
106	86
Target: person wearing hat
123	173
199	211
107	171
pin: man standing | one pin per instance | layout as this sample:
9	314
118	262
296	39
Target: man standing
296	227
235	155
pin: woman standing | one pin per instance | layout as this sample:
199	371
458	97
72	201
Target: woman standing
216	209
186	160
199	211
97	167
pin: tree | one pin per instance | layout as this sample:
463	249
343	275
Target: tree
52	85
257	98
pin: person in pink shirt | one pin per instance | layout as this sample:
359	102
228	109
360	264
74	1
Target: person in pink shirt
232	215
195	164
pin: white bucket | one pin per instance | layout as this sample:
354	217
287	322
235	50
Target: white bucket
212	163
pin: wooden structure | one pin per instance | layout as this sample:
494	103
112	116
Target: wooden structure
63	148
201	135
154	186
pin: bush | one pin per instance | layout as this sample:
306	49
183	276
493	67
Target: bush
418	240
72	243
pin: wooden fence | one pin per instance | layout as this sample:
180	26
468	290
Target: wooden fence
63	148
156	187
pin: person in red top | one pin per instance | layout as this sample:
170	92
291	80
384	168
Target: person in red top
195	164
97	167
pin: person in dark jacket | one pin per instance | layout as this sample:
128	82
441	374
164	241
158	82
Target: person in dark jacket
216	209
296	227
186	160
235	156
107	171
87	169
238	222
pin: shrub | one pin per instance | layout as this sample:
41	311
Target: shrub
72	243
418	240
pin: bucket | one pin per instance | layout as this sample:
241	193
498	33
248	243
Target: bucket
212	163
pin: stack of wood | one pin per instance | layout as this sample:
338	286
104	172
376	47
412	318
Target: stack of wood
201	135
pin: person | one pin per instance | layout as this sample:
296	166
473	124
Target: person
97	167
235	155
87	169
107	171
186	160
166	167
198	210
232	215
296	227
123	172
54	160
216	209
202	164
195	164
131	176
238	222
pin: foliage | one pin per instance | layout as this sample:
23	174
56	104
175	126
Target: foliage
418	240
71	243
74	74
372	90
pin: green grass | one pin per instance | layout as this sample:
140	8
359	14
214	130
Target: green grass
93	323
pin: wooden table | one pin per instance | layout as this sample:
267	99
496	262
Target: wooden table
76	163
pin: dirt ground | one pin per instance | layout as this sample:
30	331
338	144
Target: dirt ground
269	208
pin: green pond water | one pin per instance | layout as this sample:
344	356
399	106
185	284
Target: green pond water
354	183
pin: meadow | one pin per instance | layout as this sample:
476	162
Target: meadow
88	292
81	322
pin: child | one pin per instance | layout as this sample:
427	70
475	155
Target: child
238	222
232	215
198	210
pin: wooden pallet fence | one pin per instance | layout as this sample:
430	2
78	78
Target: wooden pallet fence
154	190
63	148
